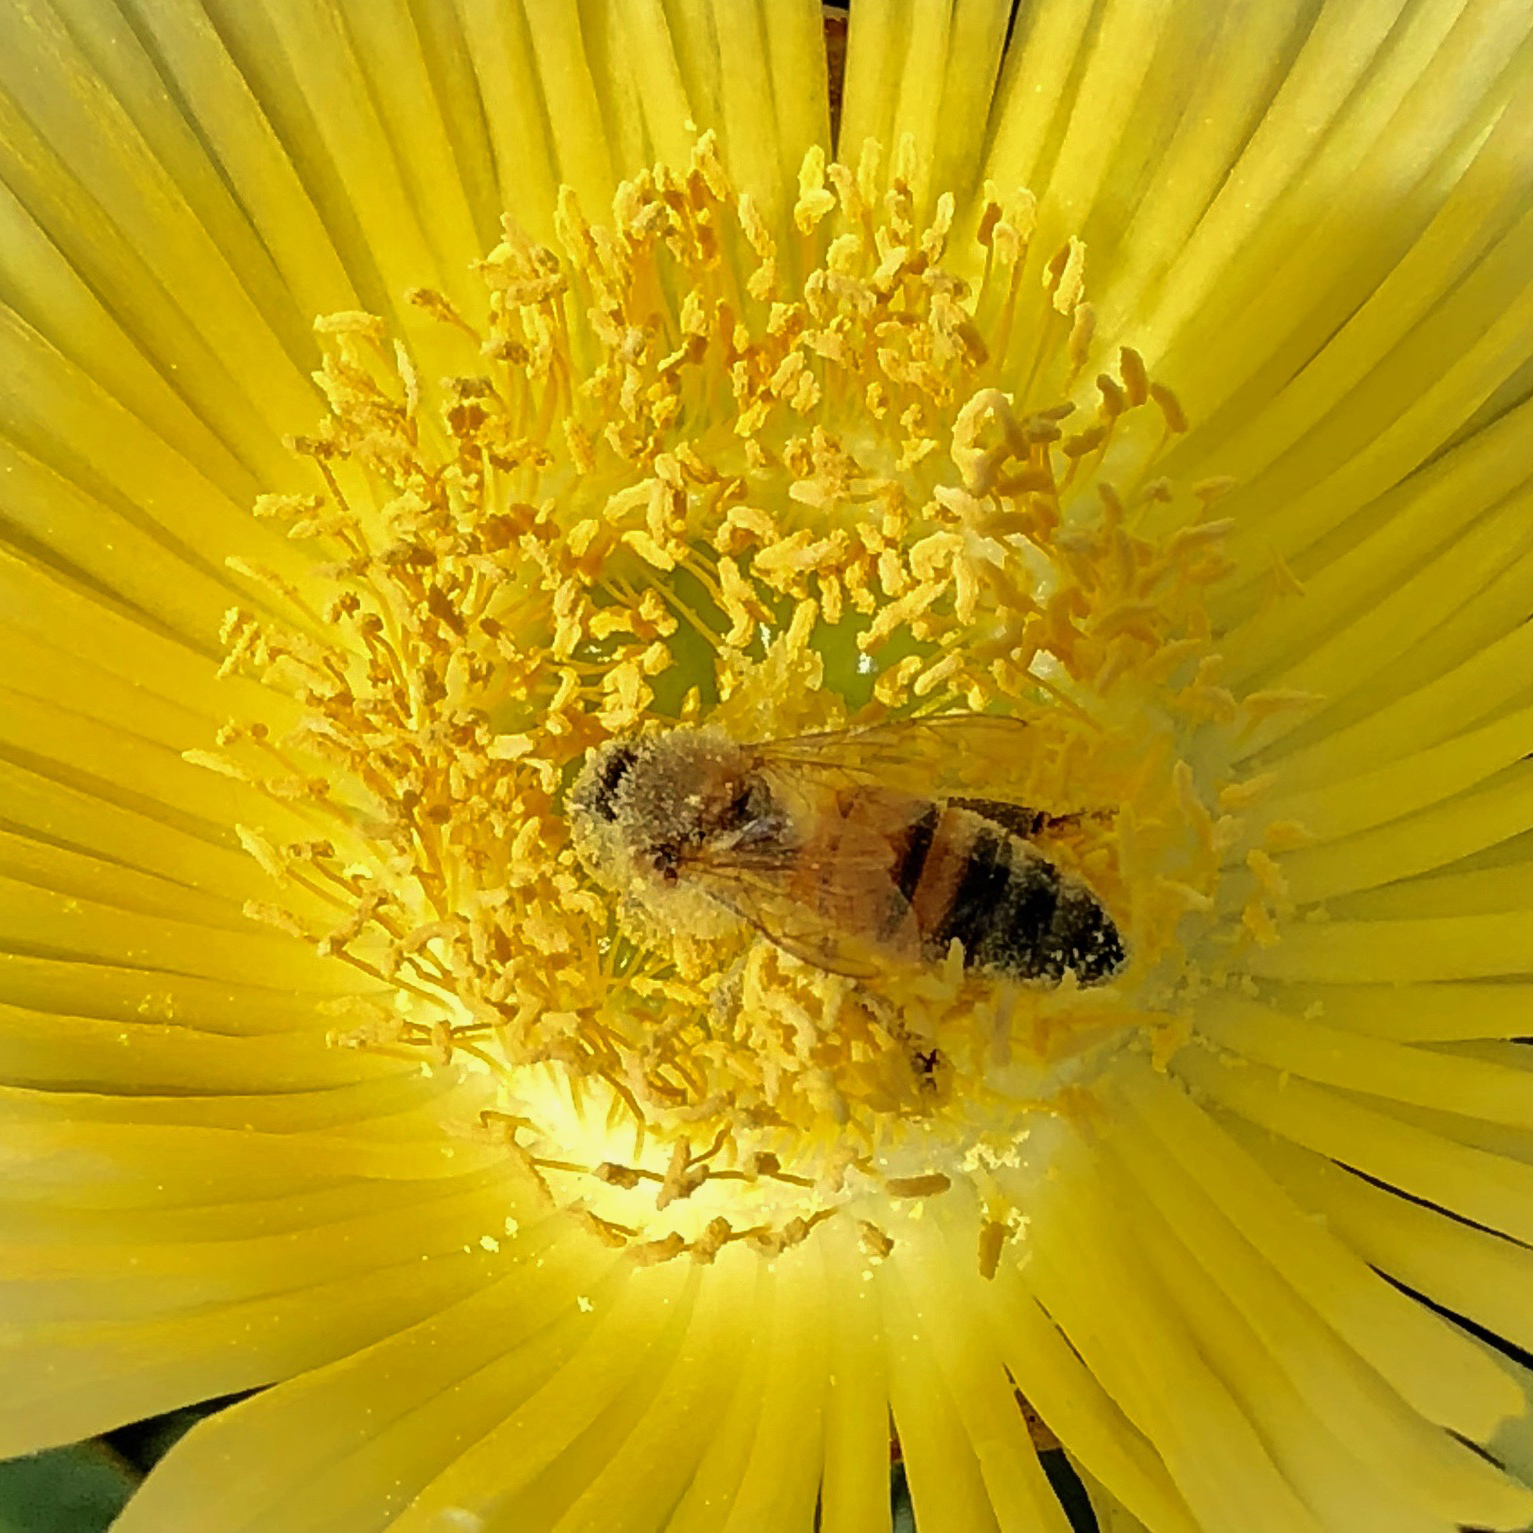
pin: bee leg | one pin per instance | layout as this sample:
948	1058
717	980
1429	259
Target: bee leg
1022	821
1016	818
1000	1037
888	1016
1075	817
725	1000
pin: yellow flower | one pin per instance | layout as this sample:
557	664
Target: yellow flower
1154	375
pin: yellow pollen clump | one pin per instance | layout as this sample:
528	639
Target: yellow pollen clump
694	468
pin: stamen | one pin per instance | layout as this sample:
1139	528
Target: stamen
654	495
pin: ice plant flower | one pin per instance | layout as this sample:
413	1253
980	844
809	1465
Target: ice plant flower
402	403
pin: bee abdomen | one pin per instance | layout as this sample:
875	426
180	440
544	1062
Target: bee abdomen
1014	911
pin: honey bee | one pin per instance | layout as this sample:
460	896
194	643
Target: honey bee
833	847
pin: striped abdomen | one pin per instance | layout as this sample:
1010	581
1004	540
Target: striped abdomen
965	874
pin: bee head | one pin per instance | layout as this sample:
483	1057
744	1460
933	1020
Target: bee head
651	817
645	812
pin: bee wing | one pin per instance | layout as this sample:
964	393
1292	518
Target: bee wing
926	756
795	928
758	885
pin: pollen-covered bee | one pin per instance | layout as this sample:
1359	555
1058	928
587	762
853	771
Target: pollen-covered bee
827	845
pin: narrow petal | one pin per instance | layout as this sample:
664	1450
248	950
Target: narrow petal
1455	948
1467	1270
1414	1013
642	1481
1487	1188
536	1461
854	1487
1132	1334
1080	1410
947	1481
780	1481
1436	1078
948	1328
300	1456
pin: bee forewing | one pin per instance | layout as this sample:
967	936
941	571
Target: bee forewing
762	901
832	900
928	757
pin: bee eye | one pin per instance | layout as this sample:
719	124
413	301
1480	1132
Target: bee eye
613	770
664	861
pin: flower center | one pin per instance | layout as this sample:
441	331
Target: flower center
695	472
